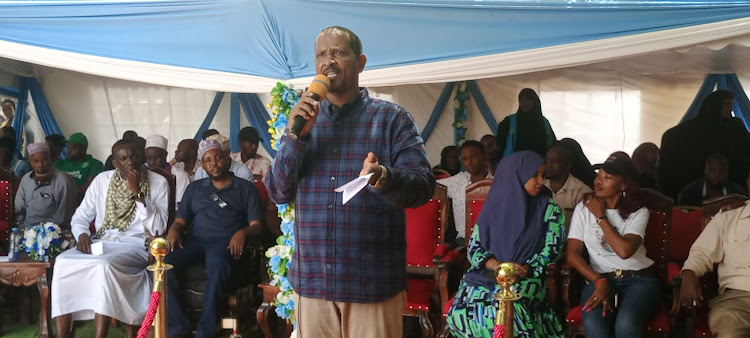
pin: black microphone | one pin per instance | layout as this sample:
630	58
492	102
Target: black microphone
319	89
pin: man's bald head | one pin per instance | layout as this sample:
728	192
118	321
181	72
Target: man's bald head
187	150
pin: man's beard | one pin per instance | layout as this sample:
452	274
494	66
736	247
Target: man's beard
42	177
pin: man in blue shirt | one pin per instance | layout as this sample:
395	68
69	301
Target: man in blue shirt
224	210
349	263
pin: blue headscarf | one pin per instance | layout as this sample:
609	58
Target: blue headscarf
511	224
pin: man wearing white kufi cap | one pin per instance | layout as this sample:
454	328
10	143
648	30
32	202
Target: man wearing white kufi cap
105	275
156	157
238	169
45	194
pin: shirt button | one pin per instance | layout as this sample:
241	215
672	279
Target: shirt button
338	123
328	266
333	178
330	206
335	150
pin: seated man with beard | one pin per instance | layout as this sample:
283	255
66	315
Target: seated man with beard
45	193
225	211
128	203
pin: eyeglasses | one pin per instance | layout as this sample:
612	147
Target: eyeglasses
216	198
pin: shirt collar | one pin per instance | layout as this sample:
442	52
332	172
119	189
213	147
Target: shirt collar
705	191
207	183
745	213
348	107
564	187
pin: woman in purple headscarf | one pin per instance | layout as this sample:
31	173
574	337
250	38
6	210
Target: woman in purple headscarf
519	223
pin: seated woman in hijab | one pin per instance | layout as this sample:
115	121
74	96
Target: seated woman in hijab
610	225
520	223
527	129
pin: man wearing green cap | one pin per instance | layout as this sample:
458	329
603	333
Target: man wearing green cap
79	165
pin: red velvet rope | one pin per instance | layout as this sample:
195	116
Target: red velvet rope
499	331
150	315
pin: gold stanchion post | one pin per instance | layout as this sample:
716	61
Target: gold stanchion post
506	276
159	248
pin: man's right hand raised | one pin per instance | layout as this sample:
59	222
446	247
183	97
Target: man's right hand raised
306	107
84	244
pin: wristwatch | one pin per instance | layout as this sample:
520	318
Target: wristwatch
139	196
383	179
600	219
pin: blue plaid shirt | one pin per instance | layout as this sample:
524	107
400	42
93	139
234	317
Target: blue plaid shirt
355	252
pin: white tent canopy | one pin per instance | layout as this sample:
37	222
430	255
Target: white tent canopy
621	77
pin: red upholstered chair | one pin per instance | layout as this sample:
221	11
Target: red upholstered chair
440	173
687	224
428	259
696	319
8	187
656	243
476	194
711	207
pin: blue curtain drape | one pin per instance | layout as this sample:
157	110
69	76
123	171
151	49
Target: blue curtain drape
706	88
257	115
234	122
728	82
484	108
442	101
43	112
20	115
741	102
210	116
10	91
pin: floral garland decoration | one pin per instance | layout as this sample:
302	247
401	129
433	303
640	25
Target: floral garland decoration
43	241
283	99
460	113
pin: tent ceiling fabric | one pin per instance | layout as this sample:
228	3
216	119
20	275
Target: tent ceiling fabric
247	45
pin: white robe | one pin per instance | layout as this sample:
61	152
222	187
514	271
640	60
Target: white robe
181	182
116	283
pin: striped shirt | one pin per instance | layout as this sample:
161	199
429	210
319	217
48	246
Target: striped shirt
355	252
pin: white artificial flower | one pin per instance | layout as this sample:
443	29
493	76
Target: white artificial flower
276	280
285	251
272	251
283	298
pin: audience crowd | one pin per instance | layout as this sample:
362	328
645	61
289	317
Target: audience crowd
546	204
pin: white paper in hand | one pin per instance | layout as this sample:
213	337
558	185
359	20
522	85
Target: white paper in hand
97	248
352	188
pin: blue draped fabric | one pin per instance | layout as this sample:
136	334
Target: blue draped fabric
274	39
43	112
10	91
234	122
210	116
257	115
728	82
484	108
741	102
20	115
706	88
442	101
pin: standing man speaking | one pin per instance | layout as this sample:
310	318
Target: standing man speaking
349	264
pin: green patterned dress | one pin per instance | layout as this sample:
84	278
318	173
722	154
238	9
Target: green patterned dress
473	311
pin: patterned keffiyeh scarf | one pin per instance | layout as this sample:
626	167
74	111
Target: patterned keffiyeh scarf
120	204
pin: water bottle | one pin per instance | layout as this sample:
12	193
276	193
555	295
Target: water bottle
15	245
235	334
